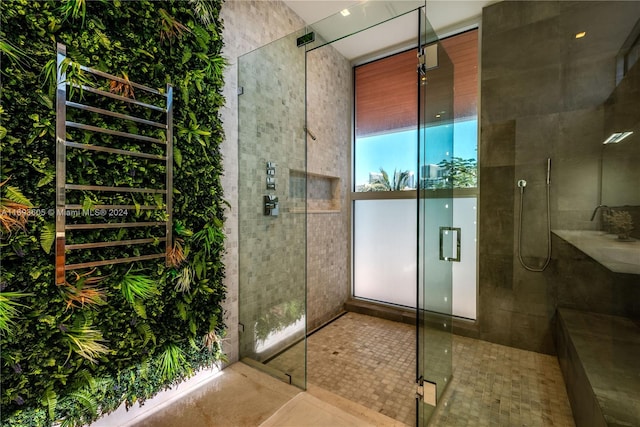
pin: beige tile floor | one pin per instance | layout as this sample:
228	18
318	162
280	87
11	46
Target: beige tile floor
365	359
371	361
360	373
494	385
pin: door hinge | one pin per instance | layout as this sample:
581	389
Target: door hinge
420	389
427	59
421	56
422	60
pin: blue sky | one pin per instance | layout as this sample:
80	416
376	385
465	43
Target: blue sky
398	150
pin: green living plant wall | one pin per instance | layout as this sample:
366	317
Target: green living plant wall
119	332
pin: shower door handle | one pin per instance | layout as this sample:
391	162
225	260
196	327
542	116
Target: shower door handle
448	233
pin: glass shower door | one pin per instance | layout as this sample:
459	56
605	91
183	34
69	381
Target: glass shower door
438	239
272	208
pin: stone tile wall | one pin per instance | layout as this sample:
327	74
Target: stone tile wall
248	25
271	251
542	96
329	82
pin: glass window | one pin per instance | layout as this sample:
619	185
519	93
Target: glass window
386	117
385	159
385	152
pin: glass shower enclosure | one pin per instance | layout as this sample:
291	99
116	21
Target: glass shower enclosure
272	189
272	203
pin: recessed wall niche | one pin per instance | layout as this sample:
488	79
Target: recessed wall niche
323	191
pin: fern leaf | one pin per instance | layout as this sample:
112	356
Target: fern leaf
86	400
47	236
50	400
86	380
49	175
139	308
15	195
182	310
146	333
87	204
144	368
103	39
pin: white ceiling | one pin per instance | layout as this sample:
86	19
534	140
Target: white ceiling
446	16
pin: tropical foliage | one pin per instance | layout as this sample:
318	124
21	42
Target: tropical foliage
399	181
119	332
459	172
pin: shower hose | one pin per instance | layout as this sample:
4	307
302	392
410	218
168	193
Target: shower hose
522	183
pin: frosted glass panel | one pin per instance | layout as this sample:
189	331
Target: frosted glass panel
464	272
437	215
384	262
462	301
385	251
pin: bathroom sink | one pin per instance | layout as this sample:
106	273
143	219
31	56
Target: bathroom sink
618	256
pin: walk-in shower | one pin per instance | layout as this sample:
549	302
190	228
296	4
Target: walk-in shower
278	292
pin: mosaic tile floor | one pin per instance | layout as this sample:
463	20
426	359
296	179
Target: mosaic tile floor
494	385
371	361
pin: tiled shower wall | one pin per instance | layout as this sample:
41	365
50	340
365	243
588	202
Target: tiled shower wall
542	96
248	26
329	84
272	249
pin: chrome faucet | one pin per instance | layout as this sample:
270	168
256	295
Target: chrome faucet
595	211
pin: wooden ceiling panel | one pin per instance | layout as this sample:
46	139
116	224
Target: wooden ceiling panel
386	94
386	90
463	51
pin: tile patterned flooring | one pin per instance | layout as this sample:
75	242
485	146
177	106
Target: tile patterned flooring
495	385
371	361
360	373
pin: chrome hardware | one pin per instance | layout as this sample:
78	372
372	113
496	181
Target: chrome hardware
271	183
444	231
271	168
420	389
271	205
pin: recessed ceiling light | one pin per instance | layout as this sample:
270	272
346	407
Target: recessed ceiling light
345	12
616	137
581	34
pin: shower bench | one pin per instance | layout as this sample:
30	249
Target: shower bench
599	356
